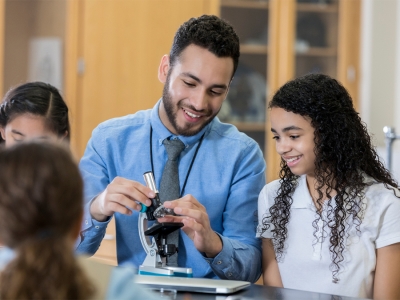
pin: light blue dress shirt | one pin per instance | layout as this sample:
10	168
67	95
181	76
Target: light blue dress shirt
226	177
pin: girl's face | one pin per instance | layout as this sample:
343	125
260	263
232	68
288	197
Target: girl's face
294	137
26	127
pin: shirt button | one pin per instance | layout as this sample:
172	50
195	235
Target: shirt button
219	262
229	274
97	227
86	222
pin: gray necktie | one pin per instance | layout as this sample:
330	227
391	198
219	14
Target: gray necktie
169	187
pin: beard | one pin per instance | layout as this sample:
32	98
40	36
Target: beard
189	129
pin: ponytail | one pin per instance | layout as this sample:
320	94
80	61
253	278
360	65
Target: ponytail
44	269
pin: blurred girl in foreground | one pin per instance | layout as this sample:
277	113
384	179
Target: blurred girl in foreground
41	209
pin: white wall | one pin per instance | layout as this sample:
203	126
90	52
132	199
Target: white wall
380	72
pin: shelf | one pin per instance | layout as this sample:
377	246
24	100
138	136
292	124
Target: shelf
317	7
314	51
261	4
253	49
248	126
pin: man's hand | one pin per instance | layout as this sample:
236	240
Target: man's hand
196	224
121	195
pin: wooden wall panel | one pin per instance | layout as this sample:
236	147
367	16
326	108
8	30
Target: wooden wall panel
17	32
349	47
122	45
24	20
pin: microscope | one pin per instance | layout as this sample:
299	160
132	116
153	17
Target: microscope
155	238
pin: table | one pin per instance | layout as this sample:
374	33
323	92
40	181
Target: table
258	292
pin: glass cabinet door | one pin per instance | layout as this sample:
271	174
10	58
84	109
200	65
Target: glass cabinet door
245	105
316	44
280	40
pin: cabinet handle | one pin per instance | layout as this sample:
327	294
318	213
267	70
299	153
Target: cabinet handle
109	237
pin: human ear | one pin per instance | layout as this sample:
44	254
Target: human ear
64	135
3	133
163	68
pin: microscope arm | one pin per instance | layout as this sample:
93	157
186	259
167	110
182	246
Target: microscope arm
153	259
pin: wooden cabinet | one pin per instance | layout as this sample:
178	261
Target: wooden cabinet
246	100
281	40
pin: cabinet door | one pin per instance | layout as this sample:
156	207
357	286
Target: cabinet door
118	46
246	100
281	40
326	40
316	45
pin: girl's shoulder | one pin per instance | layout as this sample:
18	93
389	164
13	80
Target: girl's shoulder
274	186
381	217
379	192
271	189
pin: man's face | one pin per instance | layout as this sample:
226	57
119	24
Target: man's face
194	89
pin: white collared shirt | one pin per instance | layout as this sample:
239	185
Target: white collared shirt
306	262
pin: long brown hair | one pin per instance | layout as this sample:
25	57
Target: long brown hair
41	202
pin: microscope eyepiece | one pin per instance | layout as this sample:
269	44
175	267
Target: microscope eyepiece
156	209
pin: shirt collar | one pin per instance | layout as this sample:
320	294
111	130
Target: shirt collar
163	133
301	196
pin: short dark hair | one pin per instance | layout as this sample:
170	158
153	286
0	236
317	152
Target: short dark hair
209	32
37	98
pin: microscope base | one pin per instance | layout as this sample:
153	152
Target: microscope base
165	271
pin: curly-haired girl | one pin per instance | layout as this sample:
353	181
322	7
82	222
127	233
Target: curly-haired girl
331	223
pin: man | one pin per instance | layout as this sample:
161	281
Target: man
219	199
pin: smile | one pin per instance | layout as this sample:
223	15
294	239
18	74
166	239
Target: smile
292	160
192	115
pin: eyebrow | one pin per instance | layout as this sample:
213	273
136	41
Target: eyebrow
221	86
17	132
286	129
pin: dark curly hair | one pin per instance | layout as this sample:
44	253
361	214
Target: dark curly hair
37	98
209	32
344	153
